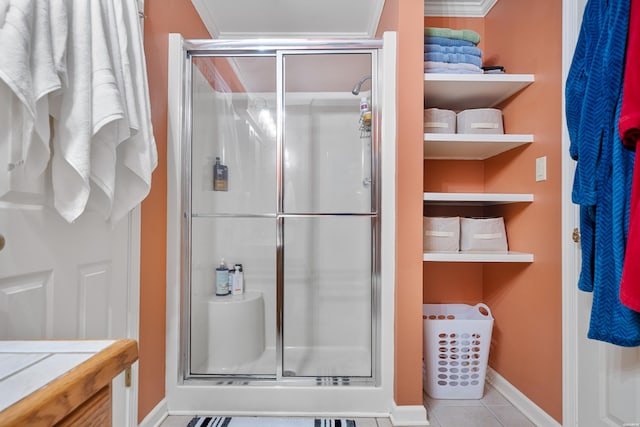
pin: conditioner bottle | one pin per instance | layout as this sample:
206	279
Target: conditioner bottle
220	176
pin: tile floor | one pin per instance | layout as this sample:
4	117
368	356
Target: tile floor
493	410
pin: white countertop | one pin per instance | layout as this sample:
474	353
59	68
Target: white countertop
26	366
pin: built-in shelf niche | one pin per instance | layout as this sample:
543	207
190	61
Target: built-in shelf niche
464	91
476	199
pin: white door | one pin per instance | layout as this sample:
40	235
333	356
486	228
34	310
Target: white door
608	378
602	381
65	281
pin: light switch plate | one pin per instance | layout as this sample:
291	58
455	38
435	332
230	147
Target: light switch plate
541	168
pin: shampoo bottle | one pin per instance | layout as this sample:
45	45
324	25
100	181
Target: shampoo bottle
238	280
222	279
220	176
232	273
364	105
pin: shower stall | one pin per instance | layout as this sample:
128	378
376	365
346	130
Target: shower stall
275	166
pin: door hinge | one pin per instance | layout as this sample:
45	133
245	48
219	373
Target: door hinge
127	377
576	235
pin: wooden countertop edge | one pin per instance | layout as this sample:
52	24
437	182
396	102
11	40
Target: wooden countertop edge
50	404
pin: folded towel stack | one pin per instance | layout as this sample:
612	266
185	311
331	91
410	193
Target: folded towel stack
451	51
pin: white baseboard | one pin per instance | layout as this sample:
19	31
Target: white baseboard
156	416
408	415
532	411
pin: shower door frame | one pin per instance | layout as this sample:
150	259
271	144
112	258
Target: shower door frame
278	49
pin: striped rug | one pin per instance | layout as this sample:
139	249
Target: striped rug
269	422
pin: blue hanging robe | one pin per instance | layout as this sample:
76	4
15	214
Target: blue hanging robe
604	169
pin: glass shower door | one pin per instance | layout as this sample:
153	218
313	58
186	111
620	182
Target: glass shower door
231	215
281	177
329	215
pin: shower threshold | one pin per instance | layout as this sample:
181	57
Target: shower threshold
324	365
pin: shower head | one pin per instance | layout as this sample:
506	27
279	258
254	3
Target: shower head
356	88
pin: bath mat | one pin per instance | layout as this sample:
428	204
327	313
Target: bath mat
268	422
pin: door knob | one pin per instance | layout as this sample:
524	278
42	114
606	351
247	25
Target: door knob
1	242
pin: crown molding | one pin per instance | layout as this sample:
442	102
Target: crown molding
468	8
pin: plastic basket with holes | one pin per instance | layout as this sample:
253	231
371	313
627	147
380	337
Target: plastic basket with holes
456	345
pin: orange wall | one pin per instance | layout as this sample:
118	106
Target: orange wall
405	17
526	37
525	299
162	18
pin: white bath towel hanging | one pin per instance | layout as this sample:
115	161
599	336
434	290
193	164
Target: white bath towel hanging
110	125
16	33
58	25
73	125
11	132
18	112
137	156
123	34
82	63
45	81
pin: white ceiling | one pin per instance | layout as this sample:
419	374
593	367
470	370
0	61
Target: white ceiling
229	19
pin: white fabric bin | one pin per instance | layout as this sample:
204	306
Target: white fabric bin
480	120
439	121
483	235
441	234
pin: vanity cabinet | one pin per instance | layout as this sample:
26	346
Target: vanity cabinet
46	383
459	92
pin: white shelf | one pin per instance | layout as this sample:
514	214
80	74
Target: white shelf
463	91
459	146
478	257
476	199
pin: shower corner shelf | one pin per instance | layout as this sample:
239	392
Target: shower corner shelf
478	257
455	146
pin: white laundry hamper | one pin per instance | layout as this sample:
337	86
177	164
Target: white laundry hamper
456	345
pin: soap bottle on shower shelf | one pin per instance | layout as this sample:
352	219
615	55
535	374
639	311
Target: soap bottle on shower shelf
220	176
364	105
238	280
365	115
222	279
